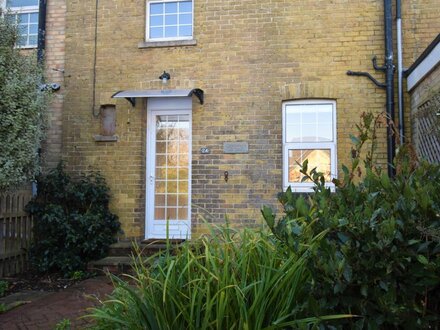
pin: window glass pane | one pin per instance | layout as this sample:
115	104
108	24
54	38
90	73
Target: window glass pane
159	200
22	40
172	200
156	8
183	200
33	29
315	120
325	133
156	20
156	32
33	18
185	31
319	158
22	18
159	214
325	117
183	160
33	40
185	6
293	133
170	19
185	19
23	29
183	213
172	174
183	186
308	133
171	213
308	117
170	31
21	3
170	7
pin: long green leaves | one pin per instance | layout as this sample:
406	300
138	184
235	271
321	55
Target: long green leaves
229	280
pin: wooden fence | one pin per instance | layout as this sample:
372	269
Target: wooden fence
15	231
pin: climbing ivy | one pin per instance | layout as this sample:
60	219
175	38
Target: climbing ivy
23	108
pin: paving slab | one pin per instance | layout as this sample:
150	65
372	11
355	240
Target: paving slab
45	311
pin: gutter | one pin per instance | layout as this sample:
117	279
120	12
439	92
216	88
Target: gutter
41	45
400	72
389	82
388	69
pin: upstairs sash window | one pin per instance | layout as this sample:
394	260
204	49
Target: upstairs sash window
169	20
25	14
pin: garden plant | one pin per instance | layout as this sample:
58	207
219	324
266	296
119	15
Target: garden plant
23	108
72	222
380	257
230	279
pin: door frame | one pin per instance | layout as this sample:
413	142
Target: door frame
164	106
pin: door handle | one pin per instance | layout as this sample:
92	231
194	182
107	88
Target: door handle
152	179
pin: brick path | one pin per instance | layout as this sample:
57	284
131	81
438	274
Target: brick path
46	312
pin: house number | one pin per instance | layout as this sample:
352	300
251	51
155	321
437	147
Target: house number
205	151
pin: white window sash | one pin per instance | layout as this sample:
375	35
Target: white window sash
330	145
147	25
23	10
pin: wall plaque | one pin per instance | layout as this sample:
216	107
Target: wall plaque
235	147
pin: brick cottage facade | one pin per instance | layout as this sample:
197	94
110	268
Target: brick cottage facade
253	88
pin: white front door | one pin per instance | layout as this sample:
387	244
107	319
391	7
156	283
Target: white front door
168	202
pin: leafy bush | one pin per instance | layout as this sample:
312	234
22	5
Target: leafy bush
72	222
22	109
231	280
380	257
3	287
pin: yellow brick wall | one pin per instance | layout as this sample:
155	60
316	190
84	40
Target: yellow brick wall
54	64
250	57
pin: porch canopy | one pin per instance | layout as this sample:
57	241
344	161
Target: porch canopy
132	95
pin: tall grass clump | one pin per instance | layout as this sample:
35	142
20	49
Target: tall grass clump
228	280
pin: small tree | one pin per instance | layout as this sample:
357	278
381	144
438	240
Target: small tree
23	109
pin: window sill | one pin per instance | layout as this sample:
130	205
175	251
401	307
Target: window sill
308	187
104	138
171	43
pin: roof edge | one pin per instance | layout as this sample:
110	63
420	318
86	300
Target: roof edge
425	54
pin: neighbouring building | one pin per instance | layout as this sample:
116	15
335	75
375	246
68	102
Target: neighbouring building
424	86
247	90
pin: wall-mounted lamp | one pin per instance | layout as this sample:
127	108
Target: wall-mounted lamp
165	77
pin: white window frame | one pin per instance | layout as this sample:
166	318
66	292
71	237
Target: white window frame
147	22
302	187
23	10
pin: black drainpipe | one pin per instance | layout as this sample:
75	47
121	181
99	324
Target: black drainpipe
41	45
389	67
41	30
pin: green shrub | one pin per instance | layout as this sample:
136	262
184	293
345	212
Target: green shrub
3	287
23	108
72	222
380	257
231	280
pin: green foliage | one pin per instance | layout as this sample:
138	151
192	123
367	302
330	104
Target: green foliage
380	257
23	109
78	275
229	280
3	287
3	308
64	324
73	223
